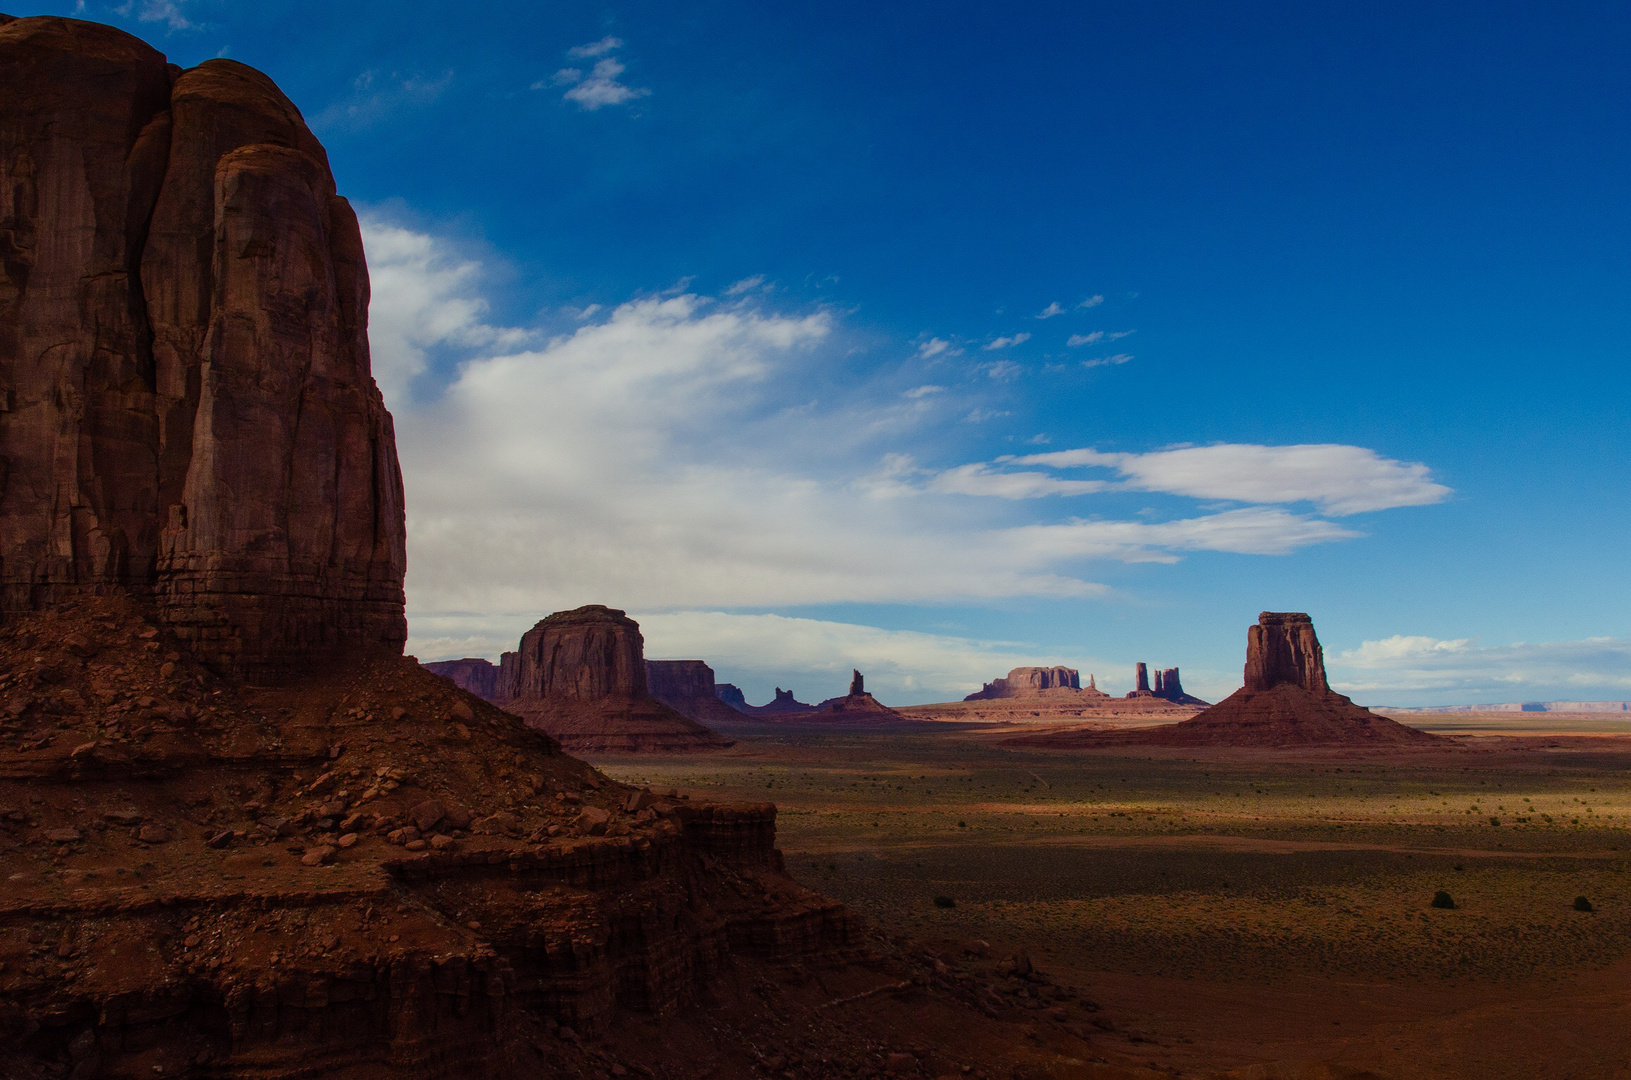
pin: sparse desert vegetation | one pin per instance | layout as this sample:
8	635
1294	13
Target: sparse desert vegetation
1230	881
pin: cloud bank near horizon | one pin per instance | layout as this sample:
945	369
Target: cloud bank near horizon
687	453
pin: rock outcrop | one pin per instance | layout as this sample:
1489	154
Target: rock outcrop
473	675
855	706
1169	687
353	870
580	676
186	407
1286	702
688	687
782	701
731	695
1038	682
1141	683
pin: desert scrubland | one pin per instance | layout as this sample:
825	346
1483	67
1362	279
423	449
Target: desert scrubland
1232	908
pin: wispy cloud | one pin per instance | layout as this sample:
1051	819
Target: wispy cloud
933	347
601	86
747	284
1007	342
1051	310
376	96
1336	478
1091	302
595	48
670	453
170	12
1076	341
1003	370
1107	361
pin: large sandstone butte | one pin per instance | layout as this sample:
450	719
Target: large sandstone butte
580	676
186	407
354	870
473	675
1285	703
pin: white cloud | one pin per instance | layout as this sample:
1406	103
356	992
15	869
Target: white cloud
1461	669
1091	302
675	453
1337	479
423	297
747	284
980	416
1007	342
933	347
1107	361
1003	370
982	480
600	87
1051	310
1119	334
1076	341
595	48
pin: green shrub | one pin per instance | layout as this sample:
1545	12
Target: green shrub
944	901
1442	899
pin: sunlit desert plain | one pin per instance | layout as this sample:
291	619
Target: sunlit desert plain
1240	907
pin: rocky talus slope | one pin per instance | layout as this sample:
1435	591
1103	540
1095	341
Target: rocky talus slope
368	868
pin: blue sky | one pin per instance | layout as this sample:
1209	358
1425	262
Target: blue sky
934	339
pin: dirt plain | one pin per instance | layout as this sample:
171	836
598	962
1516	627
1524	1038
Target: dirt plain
1245	913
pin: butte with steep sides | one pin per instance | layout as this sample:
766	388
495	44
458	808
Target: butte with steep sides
241	834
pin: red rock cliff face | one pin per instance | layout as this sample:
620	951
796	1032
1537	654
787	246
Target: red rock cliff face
188	410
1282	648
589	652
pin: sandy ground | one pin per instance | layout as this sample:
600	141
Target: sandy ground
1245	911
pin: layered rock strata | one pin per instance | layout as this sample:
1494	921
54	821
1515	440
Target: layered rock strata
580	675
1023	682
473	675
688	687
366	873
353	870
186	405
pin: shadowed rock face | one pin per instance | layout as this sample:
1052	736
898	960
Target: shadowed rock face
1026	681
580	675
186	405
687	687
1282	648
589	652
472	674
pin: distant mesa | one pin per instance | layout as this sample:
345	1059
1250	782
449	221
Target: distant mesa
732	695
857	706
688	687
1024	682
1286	701
580	676
473	675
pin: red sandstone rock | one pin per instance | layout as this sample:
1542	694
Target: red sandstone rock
580	676
189	412
688	687
1285	703
472	675
1282	648
1037	682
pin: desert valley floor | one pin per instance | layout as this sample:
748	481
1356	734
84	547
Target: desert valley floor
1230	909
